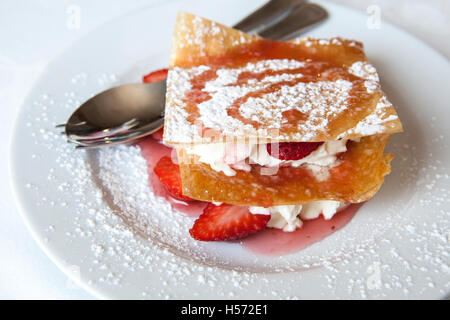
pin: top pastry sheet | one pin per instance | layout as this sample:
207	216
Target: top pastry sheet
225	85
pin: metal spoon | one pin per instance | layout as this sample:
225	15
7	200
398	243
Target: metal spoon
125	113
119	110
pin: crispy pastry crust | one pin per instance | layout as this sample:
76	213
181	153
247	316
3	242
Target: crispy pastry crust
357	178
201	42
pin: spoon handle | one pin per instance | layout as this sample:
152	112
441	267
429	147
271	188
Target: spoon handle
273	11
301	18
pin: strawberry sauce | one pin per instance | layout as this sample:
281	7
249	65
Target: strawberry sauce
275	242
152	151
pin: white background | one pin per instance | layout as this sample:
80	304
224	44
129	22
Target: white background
32	33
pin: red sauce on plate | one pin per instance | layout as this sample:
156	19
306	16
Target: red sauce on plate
275	242
152	151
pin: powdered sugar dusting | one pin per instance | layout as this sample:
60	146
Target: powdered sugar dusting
364	70
305	97
195	32
318	100
178	83
308	42
376	122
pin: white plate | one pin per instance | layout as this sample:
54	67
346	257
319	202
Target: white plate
395	247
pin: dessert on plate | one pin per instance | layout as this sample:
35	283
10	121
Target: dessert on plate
270	133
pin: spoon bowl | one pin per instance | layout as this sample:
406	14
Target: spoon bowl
136	107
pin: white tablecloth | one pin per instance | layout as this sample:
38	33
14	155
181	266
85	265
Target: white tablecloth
32	33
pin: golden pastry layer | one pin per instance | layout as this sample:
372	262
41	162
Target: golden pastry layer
357	177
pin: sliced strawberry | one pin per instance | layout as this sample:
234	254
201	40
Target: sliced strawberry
293	150
158	135
169	175
155	76
227	222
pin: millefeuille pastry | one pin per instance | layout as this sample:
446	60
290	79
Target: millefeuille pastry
274	127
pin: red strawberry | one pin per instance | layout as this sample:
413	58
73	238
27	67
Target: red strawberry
169	175
227	222
158	135
155	76
293	150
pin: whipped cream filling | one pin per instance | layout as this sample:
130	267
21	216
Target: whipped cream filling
289	217
228	157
